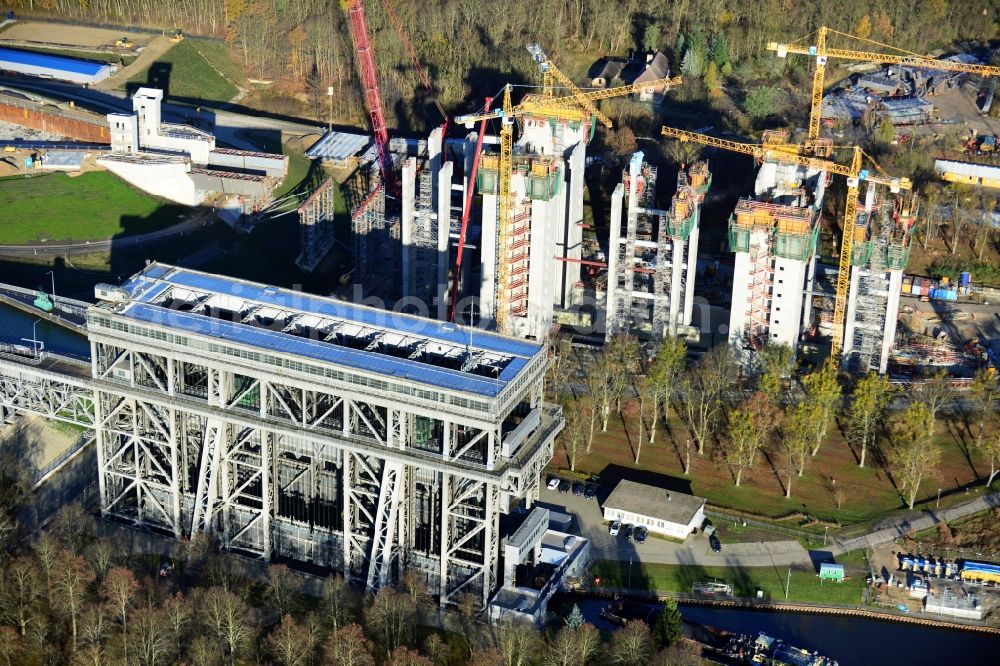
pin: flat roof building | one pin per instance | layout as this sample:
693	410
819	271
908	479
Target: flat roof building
53	66
662	511
297	426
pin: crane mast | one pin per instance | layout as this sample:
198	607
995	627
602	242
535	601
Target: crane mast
373	98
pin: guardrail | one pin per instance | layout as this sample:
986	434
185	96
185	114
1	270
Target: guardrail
85	439
56	300
770	527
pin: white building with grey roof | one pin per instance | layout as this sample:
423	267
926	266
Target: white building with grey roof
660	510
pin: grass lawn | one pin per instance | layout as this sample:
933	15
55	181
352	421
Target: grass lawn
805	585
865	494
92	206
191	75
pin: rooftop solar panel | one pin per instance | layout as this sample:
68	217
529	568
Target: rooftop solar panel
428	328
362	360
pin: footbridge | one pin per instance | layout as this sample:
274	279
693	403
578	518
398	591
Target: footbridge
291	425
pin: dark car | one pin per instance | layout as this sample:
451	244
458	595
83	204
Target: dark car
578	489
627	530
640	534
714	542
565	486
590	492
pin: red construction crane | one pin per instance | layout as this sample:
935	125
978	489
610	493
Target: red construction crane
373	99
457	271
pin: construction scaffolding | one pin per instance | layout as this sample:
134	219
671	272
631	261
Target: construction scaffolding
653	252
423	264
881	250
316	226
369	228
774	244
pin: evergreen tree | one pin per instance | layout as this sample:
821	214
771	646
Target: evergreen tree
668	625
712	84
720	50
651	37
692	64
575	618
681	43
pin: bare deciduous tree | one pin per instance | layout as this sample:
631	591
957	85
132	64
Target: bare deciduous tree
289	643
338	601
823	394
872	395
391	615
702	390
573	646
348	646
149	637
281	589
935	393
631	645
10	647
750	424
119	590
100	556
518	642
70	580
664	375
21	589
228	617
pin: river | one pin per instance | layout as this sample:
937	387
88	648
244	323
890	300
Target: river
15	326
852	641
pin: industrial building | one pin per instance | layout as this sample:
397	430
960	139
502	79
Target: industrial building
301	427
653	253
968	173
774	237
883	235
182	163
48	66
663	511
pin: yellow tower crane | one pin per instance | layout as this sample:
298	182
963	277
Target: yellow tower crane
854	173
576	107
822	52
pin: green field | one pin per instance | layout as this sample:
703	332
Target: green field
91	206
672	578
191	75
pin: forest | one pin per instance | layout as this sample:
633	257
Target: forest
471	48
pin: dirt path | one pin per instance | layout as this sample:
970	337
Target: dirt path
67	35
151	53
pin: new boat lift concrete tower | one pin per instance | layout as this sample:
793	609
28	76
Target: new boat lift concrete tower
298	426
653	253
774	237
881	251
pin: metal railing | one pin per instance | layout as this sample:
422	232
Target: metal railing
82	442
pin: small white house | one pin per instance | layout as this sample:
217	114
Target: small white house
662	511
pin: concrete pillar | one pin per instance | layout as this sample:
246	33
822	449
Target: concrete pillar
807	300
572	238
692	269
406	221
676	268
617	198
851	314
442	205
435	143
891	318
488	255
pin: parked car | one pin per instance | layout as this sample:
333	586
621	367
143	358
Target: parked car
714	542
553	483
627	531
578	489
640	534
565	486
590	491
615	528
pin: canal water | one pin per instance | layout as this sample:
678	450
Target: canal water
851	641
15	328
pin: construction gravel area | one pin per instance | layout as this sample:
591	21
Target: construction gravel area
69	35
12	132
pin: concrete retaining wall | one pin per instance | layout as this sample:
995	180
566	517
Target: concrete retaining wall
48	122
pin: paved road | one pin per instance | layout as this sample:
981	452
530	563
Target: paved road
661	551
892	529
88	247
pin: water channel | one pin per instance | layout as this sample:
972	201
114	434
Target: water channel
16	328
851	641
